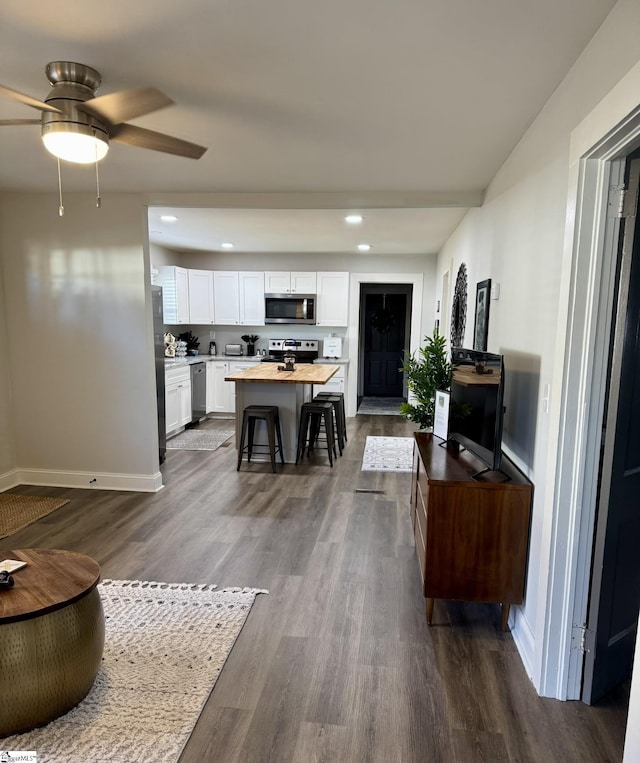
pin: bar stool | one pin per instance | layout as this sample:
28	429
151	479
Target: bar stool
312	416
338	424
271	416
340	413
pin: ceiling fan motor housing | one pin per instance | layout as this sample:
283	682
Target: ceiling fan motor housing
72	84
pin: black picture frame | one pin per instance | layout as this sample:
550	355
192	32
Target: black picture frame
483	302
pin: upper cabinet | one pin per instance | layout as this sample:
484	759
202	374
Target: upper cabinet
226	299
251	292
201	297
175	294
238	298
285	282
333	299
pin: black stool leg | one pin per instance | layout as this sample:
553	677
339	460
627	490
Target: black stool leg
242	438
271	435
279	436
252	434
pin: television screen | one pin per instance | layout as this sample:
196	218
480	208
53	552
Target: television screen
476	404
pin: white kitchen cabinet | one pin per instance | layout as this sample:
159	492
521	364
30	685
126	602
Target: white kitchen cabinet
210	397
337	383
239	298
285	282
251	293
177	395
200	297
175	294
225	392
226	297
332	307
222	392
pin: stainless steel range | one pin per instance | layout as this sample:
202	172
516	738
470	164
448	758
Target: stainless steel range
305	350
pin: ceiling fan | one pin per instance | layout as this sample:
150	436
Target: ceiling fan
77	126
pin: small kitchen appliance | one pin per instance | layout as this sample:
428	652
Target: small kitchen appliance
332	347
303	350
212	348
233	349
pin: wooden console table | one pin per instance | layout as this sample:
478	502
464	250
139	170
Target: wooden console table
471	536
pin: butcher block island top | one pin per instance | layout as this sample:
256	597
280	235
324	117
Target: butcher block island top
305	373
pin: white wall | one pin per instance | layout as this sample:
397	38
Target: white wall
517	239
78	349
7	422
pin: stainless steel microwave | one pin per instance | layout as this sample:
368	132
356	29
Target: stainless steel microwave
290	308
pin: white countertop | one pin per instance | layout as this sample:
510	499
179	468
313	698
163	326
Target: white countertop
190	359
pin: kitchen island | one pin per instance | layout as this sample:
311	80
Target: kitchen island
265	384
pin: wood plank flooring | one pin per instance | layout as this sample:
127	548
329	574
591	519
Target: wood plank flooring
337	663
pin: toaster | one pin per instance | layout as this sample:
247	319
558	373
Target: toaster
233	349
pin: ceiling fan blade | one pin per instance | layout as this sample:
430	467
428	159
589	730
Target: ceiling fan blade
15	95
13	122
156	141
126	104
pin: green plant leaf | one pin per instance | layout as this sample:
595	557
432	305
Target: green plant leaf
426	374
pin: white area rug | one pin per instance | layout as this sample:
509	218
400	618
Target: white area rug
165	646
199	439
388	454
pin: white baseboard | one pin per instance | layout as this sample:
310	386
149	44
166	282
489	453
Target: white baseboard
142	483
9	480
523	639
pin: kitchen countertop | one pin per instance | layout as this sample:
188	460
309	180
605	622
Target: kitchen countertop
190	359
305	373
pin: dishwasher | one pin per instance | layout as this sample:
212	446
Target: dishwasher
198	392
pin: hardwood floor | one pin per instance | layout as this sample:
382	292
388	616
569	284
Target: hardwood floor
337	662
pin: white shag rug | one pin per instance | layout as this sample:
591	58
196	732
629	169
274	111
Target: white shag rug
388	454
165	645
199	439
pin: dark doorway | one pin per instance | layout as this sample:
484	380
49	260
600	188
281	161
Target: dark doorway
383	338
615	580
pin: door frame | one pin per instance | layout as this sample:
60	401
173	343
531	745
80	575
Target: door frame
404	289
415	280
598	148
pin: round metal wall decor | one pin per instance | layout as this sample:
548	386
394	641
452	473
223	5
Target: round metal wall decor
459	308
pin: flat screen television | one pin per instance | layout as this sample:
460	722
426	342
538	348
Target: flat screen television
476	406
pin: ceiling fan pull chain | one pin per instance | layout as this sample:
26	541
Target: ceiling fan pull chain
61	205
98	199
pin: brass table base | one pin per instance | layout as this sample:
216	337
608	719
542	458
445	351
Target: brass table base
48	663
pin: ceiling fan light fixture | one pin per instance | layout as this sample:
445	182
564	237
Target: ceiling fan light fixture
75	142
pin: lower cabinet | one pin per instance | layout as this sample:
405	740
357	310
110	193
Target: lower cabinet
221	394
336	383
177	395
471	536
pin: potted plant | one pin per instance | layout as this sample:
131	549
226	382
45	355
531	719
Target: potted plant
426	374
192	342
251	340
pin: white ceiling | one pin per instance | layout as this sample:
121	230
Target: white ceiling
361	96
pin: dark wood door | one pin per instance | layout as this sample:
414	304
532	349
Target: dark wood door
385	320
615	587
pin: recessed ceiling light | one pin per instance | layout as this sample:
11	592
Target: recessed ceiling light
364	247
226	245
169	218
354	219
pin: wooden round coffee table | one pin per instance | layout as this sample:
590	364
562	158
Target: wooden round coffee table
51	637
